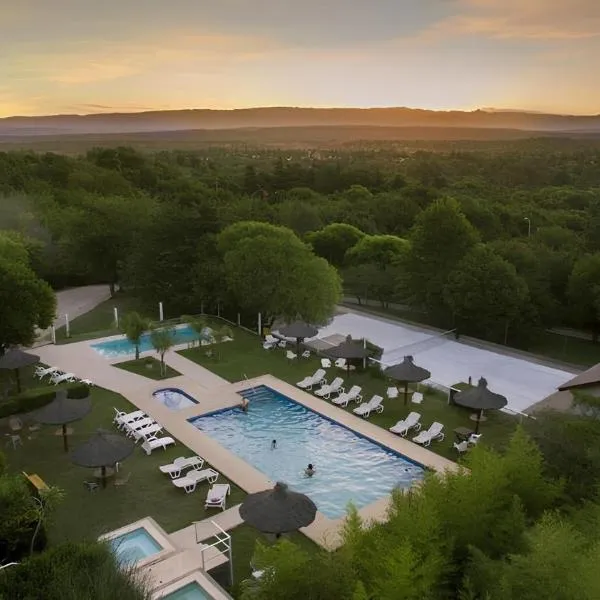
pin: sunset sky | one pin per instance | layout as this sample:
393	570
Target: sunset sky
79	56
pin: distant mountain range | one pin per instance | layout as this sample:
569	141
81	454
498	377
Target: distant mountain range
203	119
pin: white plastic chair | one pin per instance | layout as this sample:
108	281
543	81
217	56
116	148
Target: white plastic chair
366	408
416	398
325	363
290	355
461	447
392	393
435	432
217	496
404	426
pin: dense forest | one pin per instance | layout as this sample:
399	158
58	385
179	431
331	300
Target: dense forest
500	242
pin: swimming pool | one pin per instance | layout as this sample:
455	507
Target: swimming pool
174	399
122	346
191	591
349	467
134	546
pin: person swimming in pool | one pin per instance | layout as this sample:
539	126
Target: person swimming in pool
274	445
245	404
310	470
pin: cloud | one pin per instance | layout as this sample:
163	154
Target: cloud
76	63
522	19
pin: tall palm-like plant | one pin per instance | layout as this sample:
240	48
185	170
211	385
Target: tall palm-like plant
199	325
133	325
162	340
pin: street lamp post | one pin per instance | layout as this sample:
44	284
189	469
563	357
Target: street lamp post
528	226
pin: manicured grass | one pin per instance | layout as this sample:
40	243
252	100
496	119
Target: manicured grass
99	321
246	357
83	514
147	367
568	349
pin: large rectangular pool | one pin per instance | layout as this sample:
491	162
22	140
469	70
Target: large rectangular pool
349	467
122	346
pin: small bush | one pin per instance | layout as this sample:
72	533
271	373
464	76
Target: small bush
36	398
72	572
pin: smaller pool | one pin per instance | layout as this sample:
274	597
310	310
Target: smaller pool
134	546
174	399
122	346
191	591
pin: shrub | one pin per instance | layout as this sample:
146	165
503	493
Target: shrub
72	572
36	398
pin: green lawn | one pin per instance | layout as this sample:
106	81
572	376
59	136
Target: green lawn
147	367
83	514
569	349
246	357
98	322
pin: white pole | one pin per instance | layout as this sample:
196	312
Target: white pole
160	311
53	335
218	309
116	312
67	325
239	320
201	308
259	324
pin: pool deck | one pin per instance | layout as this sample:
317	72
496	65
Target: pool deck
214	393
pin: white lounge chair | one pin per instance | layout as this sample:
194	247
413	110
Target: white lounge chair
282	343
133	426
335	387
122	418
217	496
147	432
325	363
435	432
290	355
41	372
474	438
181	463
306	354
461	447
405	425
193	478
270	342
87	382
315	379
63	378
353	395
392	393
342	363
366	408
416	398
154	443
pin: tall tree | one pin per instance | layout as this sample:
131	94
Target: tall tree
584	292
269	270
162	341
485	294
333	241
26	301
439	240
134	326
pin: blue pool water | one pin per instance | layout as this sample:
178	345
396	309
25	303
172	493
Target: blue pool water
122	346
191	591
174	399
134	546
349	467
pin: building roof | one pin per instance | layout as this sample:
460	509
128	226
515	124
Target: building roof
589	377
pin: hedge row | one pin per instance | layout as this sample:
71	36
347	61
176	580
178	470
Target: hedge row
36	398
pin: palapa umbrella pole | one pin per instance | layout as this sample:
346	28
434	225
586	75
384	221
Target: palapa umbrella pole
405	393
478	421
65	438
103	476
18	376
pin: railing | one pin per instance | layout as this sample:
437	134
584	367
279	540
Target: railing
222	546
10	564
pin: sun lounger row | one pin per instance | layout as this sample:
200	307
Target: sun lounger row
57	376
139	426
424	437
195	474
